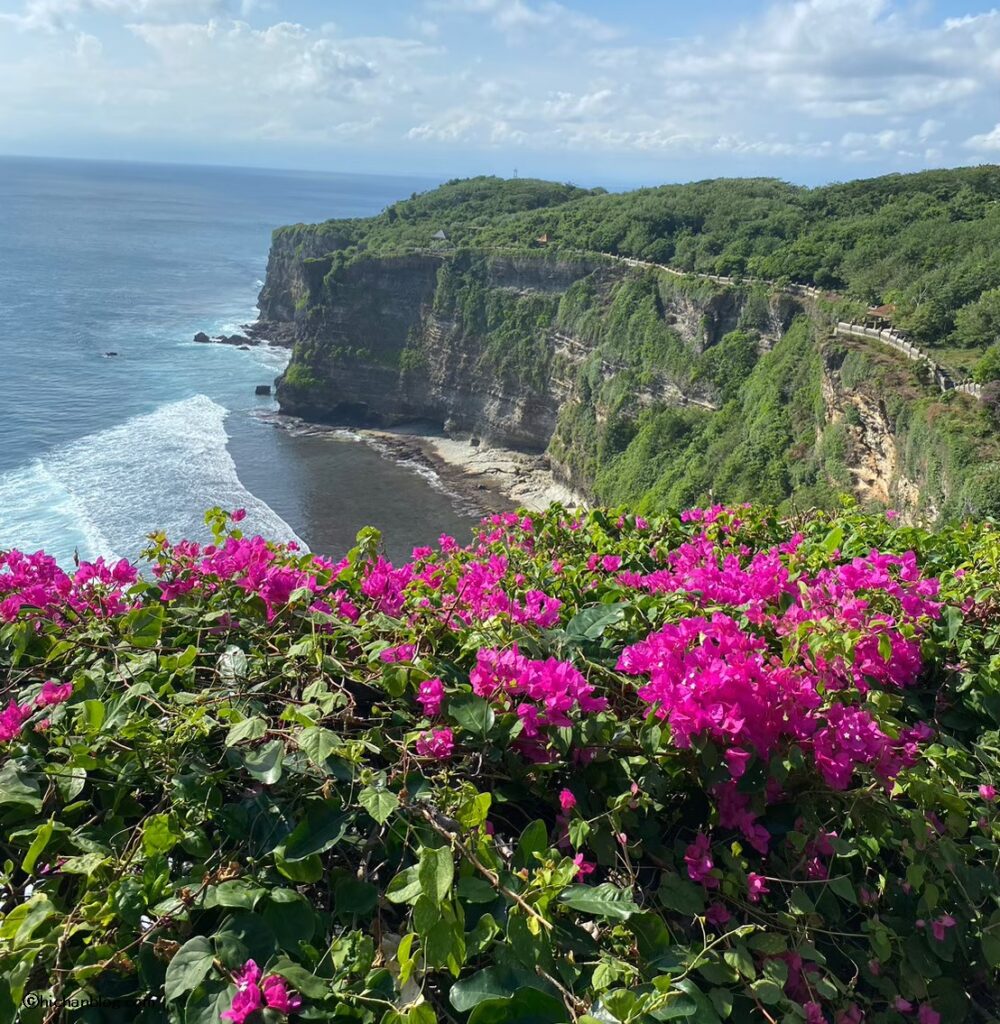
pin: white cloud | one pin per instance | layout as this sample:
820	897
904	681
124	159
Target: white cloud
987	142
791	81
516	17
58	15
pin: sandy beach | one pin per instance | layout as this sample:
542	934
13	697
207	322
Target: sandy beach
494	477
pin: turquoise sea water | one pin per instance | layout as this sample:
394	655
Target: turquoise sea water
96	451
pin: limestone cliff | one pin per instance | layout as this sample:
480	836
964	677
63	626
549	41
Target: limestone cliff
637	384
430	338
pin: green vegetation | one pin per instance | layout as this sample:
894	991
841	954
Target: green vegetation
713	767
929	242
511	328
682	390
462	208
759	444
298	375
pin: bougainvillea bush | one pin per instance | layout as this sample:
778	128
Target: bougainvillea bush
588	767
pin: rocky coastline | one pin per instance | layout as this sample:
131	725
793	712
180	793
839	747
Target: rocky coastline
260	332
482	478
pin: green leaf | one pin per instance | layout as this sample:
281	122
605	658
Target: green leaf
591	623
306	869
767	991
160	834
265	763
69	781
426	914
579	829
770	943
494	983
833	540
676	893
290	917
322	828
20	923
991	940
301	980
143	626
353	896
317	744
604	900
84	865
472	713
91	715
436	872
232	665
234	893
722	1000
534	839
42	836
405	887
18	785
189	967
841	885
475	890
379	803
529	1006
248	729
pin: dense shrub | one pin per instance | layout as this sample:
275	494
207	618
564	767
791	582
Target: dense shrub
589	767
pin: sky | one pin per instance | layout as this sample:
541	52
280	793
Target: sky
616	92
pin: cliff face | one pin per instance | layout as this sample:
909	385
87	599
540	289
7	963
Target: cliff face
428	338
374	348
873	456
636	384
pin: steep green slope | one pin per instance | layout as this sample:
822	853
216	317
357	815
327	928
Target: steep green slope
929	242
648	387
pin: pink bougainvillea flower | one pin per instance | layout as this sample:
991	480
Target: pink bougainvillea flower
437	743
402	652
248	998
238	515
567	801
53	693
584	867
12	718
940	926
698	858
988	793
717	915
852	1015
430	696
928	1015
736	761
902	1005
756	886
278	996
814	1013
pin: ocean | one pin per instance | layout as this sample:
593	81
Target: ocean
96	450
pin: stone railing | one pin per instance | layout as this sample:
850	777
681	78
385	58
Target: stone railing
898	341
886	335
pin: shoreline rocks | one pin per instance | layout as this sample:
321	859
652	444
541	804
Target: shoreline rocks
236	340
261	332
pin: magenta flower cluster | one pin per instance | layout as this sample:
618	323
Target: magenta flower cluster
34	585
543	694
253	994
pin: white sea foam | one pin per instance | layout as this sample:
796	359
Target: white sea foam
102	493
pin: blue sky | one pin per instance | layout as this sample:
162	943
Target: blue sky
621	92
